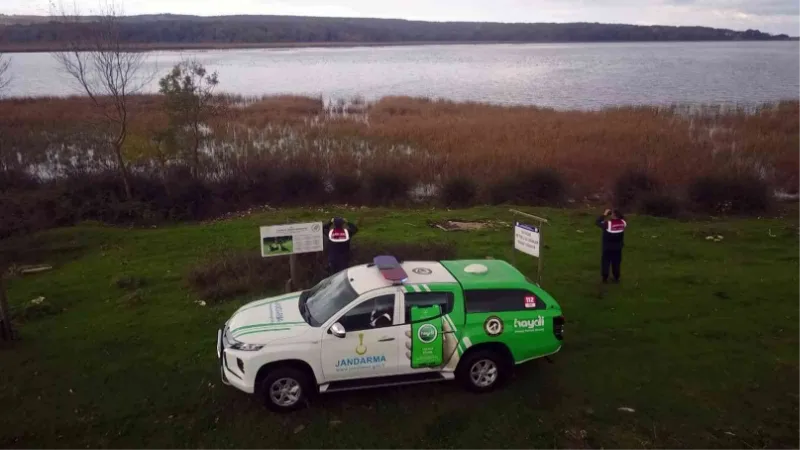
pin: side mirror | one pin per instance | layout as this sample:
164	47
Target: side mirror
338	330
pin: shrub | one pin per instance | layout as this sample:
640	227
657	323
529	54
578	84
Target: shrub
503	191
459	191
91	196
388	187
234	274
729	194
34	309
346	187
631	186
300	185
540	187
659	205
187	197
17	180
261	184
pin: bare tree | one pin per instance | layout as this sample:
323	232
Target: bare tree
5	75
95	57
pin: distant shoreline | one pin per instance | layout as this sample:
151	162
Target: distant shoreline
167	46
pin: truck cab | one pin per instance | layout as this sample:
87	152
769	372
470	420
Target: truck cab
390	323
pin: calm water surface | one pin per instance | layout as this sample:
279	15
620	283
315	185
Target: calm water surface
563	76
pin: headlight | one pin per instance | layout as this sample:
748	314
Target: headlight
246	347
230	342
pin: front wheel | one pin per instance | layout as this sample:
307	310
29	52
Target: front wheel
285	389
482	371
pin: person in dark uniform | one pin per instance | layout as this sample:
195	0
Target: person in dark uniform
613	225
338	233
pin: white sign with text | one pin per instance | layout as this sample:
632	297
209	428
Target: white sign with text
526	239
277	240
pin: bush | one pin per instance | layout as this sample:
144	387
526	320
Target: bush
24	212
346	187
230	194
536	187
388	187
91	196
729	194
631	187
540	187
503	191
234	274
659	205
300	185
34	309
261	185
459	191
17	180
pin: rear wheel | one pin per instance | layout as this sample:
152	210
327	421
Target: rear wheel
482	371
285	389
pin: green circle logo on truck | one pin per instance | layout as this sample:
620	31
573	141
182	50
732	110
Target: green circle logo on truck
493	326
427	333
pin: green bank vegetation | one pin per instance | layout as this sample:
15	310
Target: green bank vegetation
700	341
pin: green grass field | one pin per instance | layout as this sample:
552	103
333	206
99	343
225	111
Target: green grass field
701	340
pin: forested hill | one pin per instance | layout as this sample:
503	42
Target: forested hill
19	31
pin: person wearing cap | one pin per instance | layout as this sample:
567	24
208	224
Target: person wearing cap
338	233
613	225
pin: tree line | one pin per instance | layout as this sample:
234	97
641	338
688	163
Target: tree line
170	29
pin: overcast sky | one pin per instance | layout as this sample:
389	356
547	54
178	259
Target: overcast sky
772	16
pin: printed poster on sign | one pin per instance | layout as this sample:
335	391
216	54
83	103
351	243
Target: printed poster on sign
277	240
526	239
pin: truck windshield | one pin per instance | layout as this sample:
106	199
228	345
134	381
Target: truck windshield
328	297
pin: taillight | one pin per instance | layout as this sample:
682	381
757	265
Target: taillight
558	327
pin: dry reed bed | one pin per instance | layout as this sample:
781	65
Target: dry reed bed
431	140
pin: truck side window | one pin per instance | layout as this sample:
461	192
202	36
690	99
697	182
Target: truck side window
498	300
374	313
443	299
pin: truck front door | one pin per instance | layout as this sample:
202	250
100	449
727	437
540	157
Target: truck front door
371	345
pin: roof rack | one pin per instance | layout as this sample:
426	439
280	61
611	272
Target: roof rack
390	268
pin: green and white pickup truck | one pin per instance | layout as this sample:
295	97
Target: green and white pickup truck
390	323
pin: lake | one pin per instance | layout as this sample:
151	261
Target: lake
563	76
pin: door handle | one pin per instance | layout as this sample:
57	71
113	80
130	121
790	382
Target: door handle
385	339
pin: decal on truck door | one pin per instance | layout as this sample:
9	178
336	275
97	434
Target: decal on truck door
426	336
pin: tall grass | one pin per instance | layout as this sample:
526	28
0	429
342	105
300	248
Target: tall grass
425	141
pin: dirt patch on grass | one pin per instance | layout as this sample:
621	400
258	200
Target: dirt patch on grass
467	225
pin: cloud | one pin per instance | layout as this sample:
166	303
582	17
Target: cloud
750	7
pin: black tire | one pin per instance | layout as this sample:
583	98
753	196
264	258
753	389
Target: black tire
292	381
492	362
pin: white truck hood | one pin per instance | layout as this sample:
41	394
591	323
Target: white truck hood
267	320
